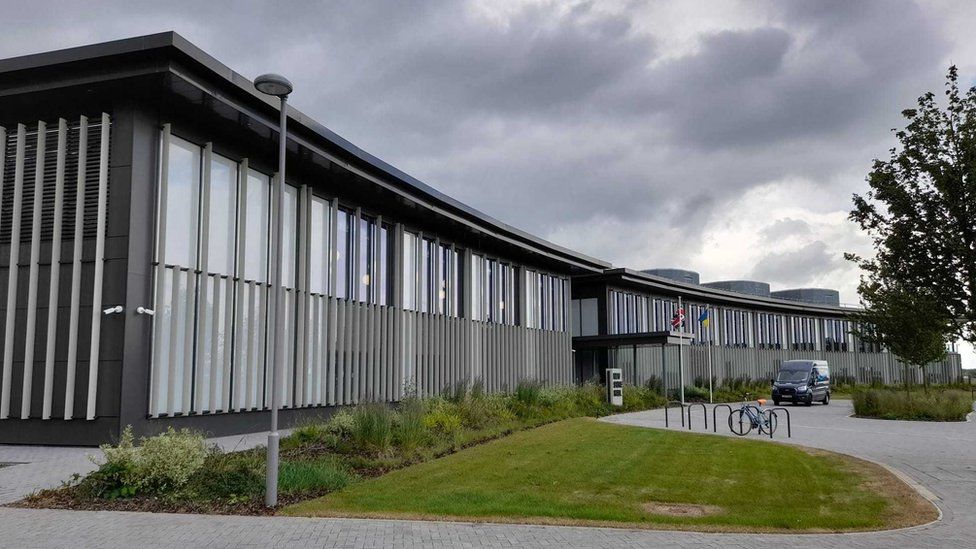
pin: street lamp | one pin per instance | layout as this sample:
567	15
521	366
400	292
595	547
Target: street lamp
280	87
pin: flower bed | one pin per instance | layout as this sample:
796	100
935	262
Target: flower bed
941	405
176	471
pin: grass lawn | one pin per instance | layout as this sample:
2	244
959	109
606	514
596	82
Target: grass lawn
582	471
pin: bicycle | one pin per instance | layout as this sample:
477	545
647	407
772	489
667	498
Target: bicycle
750	416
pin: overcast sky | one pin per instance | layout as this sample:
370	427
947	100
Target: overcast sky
724	137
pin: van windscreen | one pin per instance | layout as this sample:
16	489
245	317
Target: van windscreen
792	376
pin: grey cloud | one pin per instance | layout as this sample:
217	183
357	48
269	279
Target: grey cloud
786	227
557	117
801	266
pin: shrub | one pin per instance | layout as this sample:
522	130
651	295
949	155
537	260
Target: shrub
236	477
443	418
160	464
696	394
641	398
655	384
945	405
167	460
372	427
341	424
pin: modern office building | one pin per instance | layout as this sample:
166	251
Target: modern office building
135	215
134	245
622	318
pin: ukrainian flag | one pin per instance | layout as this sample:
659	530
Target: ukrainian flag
703	318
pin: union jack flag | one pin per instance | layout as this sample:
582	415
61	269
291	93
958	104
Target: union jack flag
679	318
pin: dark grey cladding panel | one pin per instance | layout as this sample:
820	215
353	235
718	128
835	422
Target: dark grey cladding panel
680	275
747	287
819	296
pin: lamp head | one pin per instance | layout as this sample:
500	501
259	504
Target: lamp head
273	84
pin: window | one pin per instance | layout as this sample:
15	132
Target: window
344	254
431	276
373	284
493	291
769	333
222	229
803	333
182	203
703	334
257	226
289	242
545	297
320	229
410	270
836	334
736	328
630	313
585	318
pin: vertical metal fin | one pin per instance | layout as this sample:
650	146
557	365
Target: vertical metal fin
99	267
55	279
69	387
35	259
11	323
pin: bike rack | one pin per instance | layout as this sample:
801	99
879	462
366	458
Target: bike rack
789	429
667	405
704	413
714	421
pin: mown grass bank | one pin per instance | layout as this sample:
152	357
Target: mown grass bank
582	471
177	471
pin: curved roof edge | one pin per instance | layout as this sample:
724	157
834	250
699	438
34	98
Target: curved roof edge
704	292
172	40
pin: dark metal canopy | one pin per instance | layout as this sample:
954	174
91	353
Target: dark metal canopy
629	340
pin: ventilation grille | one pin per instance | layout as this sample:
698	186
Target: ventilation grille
92	153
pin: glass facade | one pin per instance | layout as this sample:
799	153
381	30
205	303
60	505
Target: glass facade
769	330
432	276
585	315
493	291
629	313
545	301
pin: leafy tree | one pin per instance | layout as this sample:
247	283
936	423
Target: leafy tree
908	322
920	212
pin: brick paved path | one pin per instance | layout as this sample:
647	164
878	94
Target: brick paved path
941	457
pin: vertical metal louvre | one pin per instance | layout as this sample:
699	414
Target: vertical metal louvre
38	201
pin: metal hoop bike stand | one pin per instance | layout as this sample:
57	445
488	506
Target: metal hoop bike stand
667	406
714	420
704	413
789	428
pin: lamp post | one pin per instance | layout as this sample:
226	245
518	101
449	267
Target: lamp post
280	87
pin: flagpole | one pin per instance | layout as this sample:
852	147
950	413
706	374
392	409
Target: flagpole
708	318
681	333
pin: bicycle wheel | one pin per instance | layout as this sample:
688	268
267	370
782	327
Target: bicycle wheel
740	423
770	421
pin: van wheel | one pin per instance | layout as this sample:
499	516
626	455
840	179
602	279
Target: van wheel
826	399
775	402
